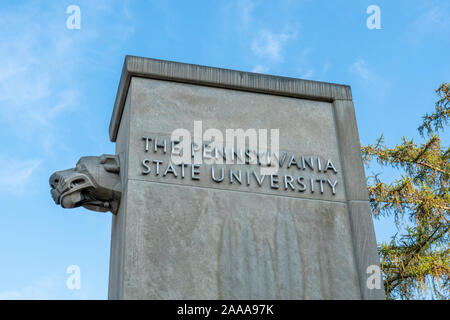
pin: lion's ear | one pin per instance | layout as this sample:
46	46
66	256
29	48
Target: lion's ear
110	163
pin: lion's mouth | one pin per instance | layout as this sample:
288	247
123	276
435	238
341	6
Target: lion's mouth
70	188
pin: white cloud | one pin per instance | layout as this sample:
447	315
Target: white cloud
361	69
15	176
369	79
46	288
40	76
270	41
307	74
260	69
436	15
35	82
433	21
326	67
269	45
244	9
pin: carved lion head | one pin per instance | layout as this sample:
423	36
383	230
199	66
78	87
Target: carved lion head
94	184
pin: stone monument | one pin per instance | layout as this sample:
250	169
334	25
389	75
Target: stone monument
204	207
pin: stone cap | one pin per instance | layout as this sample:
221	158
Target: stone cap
223	78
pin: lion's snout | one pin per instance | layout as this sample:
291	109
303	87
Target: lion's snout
54	181
64	189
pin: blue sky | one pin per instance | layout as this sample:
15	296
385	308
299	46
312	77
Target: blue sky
57	89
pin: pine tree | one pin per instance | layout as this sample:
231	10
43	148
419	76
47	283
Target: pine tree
415	262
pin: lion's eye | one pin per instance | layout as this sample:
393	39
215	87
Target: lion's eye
76	182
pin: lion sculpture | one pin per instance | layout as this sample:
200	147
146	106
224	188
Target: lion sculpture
94	183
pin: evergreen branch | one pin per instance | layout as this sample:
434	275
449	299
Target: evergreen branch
435	122
420	257
391	283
